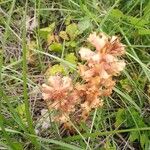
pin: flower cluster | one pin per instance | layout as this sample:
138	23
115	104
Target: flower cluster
60	95
97	74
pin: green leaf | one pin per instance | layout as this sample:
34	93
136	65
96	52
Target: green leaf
134	136
72	31
84	24
120	117
143	140
31	56
137	22
144	31
56	69
116	13
71	58
21	109
109	145
146	11
56	47
137	118
73	43
64	35
126	85
17	145
47	30
68	20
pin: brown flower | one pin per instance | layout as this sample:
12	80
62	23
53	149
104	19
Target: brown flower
115	47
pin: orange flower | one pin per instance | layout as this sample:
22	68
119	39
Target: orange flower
86	54
98	41
105	44
60	95
116	67
102	62
97	73
57	87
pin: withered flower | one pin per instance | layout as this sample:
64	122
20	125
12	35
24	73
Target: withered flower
115	47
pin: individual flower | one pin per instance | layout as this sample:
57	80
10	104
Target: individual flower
107	86
105	44
115	67
98	41
57	88
86	54
90	96
115	47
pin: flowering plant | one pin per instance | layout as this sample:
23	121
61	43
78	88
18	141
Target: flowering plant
97	73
